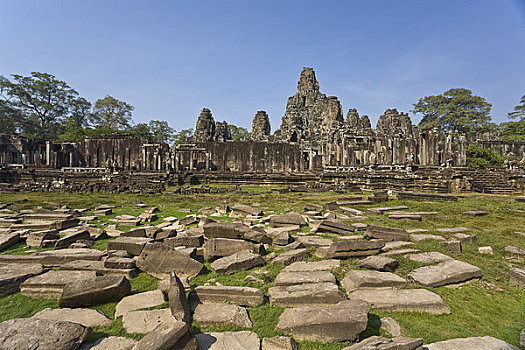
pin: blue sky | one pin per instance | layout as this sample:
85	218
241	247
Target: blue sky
170	59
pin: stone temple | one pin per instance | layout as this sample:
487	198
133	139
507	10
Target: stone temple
315	142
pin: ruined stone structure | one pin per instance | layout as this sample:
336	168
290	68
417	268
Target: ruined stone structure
261	126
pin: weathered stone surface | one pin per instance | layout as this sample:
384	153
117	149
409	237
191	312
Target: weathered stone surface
514	250
341	322
260	126
177	298
246	210
115	262
517	276
464	238
381	343
391	326
86	317
94	291
225	230
291	256
386	233
429	257
221	247
379	263
474	343
69	239
305	294
168	335
243	340
12	275
245	296
447	272
475	213
382	210
35	239
354	248
285	278
113	343
423	236
522	337
51	284
8	240
160	260
359	279
453	229
402	300
144	321
283	238
486	250
416	217
182	240
97	266
323	265
33	333
289	219
278	343
314	242
132	245
332	226
454	246
55	258
242	260
220	314
139	301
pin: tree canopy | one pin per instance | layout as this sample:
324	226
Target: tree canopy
238	132
455	110
112	113
515	130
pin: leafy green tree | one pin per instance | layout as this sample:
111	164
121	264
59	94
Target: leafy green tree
182	136
161	131
111	113
8	114
479	157
141	131
455	110
238	132
515	130
44	101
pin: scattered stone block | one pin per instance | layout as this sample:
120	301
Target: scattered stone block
453	229
221	247
291	256
449	271
160	260
182	240
376	342
354	248
242	260
242	340
386	233
168	335
314	242
485	343
420	300
379	263
517	276
332	226
133	245
285	278
34	333
225	230
341	322
177	298
113	343
35	239
8	240
278	343
486	250
423	236
86	317
245	296
282	239
514	250
475	213
145	321
454	246
464	238
220	314
290	219
139	301
392	327
416	217
305	294
245	210
323	265
12	275
359	279
94	291
429	257
51	284
115	262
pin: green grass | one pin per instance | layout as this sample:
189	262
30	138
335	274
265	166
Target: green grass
491	306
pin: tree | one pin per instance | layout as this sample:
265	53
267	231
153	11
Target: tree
141	131
238	132
515	130
161	131
455	110
182	136
111	113
43	100
8	114
479	157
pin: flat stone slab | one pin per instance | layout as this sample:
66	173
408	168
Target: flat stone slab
475	213
113	343
386	233
322	265
51	284
360	279
57	258
86	317
160	260
139	301
379	263
473	343
453	229
429	257
285	278
291	256
447	272
242	260
278	343
305	294
381	343
242	340
8	240
225	230
221	247
314	242
145	321
168	335
221	314
34	333
343	321
352	248
12	275
517	276
423	236
132	245
245	296
99	267
420	300
94	291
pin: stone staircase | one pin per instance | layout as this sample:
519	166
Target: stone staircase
490	182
